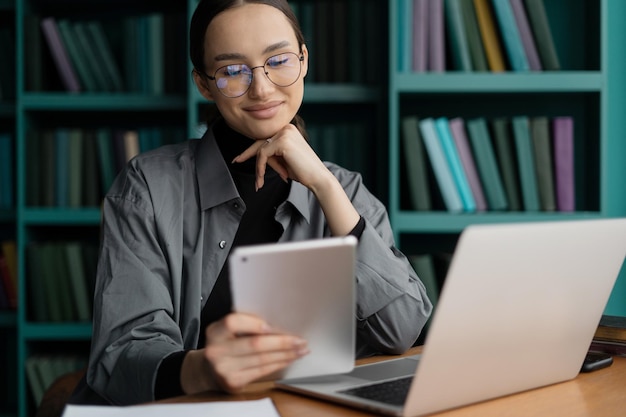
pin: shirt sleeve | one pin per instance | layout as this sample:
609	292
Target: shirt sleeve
392	305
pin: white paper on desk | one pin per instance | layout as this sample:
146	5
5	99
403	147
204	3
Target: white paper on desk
254	408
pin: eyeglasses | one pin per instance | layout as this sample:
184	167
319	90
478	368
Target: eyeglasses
234	80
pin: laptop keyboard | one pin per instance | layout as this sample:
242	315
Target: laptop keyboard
392	392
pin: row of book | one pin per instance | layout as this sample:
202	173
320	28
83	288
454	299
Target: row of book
610	336
43	369
8	275
7	64
74	167
7	156
140	54
480	35
61	280
516	164
344	39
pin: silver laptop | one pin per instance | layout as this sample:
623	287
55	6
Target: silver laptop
518	310
304	288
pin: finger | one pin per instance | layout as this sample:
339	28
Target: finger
236	324
277	165
235	382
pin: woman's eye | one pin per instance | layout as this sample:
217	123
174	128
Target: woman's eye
277	61
233	70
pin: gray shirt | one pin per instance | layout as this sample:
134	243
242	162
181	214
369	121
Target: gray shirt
168	224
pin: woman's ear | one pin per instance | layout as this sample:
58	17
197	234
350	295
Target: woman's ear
201	85
305	62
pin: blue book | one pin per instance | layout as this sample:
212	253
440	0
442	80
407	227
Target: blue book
441	168
6	171
454	161
510	35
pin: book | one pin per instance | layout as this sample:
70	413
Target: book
507	161
459	134
7	177
564	175
542	147
454	161
611	328
75	53
439	163
78	284
75	167
104	55
91	193
474	40
62	174
59	54
526	163
156	58
36	299
415	161
485	158
540	26
419	50
489	35
457	35
528	41
47	168
88	51
436	37
131	144
106	159
518	61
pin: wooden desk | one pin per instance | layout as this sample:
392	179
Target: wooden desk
597	394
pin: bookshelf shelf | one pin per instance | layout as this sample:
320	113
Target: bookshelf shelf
61	216
53	331
102	101
565	81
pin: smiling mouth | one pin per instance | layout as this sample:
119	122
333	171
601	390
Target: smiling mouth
264	111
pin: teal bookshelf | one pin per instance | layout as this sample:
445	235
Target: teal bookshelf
590	87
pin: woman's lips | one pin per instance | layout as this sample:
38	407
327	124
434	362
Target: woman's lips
264	111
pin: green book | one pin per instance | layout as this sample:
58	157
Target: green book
474	38
47	168
484	155
91	194
75	167
88	51
457	35
156	58
540	133
76	55
505	151
106	161
104	55
526	163
76	273
543	36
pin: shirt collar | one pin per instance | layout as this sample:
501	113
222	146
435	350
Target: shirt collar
216	185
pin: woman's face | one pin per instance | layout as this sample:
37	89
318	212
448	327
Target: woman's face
249	35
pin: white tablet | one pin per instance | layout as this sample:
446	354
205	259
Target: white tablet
306	288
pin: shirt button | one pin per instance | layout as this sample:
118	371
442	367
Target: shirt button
236	205
222	244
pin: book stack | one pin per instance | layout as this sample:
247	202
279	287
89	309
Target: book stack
610	336
471	165
96	56
74	167
478	35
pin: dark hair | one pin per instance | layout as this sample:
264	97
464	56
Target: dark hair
205	13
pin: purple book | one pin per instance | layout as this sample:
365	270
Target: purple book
420	35
525	32
457	126
436	37
563	137
59	54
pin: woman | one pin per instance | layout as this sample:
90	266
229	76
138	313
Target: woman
163	324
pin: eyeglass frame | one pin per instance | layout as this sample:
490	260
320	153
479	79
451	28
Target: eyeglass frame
214	78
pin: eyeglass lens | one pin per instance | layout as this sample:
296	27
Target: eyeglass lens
282	70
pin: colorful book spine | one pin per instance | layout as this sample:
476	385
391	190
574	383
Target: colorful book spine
510	35
526	35
474	41
457	35
489	36
441	169
526	163
457	127
543	36
415	161
563	145
505	151
480	140
436	37
420	36
59	55
456	166
542	147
